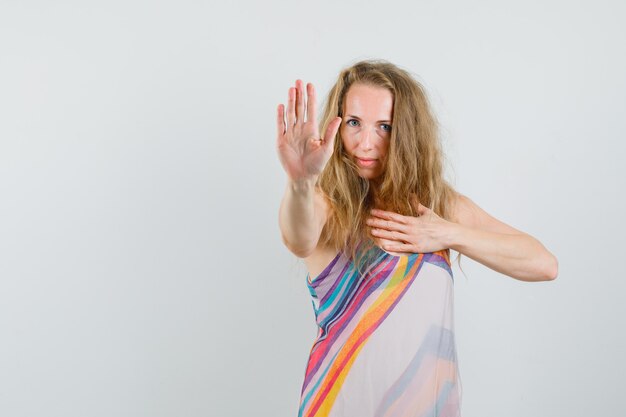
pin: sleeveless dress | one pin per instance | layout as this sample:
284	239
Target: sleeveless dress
385	342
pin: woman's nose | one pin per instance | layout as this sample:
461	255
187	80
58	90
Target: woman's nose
366	141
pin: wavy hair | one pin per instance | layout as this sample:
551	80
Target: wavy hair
413	163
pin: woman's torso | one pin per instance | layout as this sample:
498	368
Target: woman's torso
323	255
385	343
318	260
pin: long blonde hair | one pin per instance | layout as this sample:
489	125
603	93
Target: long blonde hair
413	164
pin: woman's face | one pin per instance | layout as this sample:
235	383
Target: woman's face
366	127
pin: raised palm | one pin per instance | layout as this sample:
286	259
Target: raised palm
302	152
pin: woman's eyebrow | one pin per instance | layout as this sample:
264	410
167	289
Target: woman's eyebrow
379	121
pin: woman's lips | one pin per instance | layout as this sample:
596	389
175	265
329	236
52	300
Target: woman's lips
366	162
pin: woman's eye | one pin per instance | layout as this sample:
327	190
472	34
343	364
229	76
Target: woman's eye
386	128
349	122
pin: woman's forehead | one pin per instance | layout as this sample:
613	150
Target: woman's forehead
369	102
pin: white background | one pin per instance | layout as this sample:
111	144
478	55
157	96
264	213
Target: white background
141	267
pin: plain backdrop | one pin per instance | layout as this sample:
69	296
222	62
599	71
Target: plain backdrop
142	271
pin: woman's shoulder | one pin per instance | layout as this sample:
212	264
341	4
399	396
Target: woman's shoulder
463	210
458	206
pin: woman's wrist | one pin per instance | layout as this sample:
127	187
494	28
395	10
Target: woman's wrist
452	235
300	185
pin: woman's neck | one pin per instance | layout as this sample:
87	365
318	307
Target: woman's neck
375	197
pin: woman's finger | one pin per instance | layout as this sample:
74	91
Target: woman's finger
280	120
331	130
389	215
299	102
390	234
399	247
311	104
389	225
291	108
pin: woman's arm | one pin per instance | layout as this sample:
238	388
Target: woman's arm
471	232
497	245
303	154
301	216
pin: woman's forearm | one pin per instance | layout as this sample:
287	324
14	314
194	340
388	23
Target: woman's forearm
297	216
520	256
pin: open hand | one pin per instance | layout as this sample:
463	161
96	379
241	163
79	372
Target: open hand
404	235
302	152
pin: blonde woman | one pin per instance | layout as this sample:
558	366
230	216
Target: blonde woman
369	211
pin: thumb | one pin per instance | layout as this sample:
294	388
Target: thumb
331	130
419	208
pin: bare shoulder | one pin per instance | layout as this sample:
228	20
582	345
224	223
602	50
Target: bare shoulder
467	213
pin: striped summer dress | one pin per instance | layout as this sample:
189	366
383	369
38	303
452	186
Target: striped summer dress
385	343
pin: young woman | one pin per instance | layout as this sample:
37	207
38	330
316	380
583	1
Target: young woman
368	209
